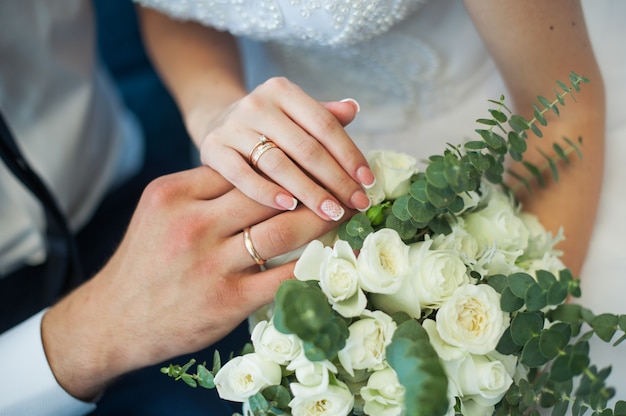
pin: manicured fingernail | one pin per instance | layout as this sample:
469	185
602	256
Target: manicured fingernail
332	209
366	177
360	201
287	202
354	102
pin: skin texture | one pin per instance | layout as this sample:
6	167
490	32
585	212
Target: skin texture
534	43
180	280
202	70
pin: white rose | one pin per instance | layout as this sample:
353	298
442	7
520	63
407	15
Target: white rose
459	240
548	262
245	376
365	346
436	274
444	350
469	407
498	224
313	376
273	345
336	270
472	319
383	262
393	173
540	241
482	378
336	400
383	394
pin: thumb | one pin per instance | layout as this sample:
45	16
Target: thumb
345	110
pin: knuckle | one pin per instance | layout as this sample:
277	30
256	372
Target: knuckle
280	239
278	83
252	103
160	191
309	150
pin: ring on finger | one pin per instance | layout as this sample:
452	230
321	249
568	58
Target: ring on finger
250	247
263	145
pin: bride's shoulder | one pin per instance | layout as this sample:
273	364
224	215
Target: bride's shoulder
327	22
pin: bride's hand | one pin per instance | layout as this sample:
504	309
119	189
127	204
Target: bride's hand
313	161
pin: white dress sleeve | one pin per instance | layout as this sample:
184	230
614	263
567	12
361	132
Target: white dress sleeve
27	385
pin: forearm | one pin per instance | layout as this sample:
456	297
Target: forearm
535	44
199	65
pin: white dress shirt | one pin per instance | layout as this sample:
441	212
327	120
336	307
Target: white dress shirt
74	131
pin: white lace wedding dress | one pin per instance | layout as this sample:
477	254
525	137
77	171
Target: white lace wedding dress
422	77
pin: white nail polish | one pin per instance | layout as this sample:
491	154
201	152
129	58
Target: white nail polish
352	100
332	209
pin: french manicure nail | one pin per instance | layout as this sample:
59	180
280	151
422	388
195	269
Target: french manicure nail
366	177
287	202
353	101
332	209
360	201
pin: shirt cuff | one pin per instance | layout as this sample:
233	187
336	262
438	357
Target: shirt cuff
27	383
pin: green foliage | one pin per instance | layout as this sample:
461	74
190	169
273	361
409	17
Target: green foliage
203	377
543	330
419	370
435	194
302	309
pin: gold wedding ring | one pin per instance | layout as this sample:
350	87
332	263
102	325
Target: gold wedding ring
250	247
259	149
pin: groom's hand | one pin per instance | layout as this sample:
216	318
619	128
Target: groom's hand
180	280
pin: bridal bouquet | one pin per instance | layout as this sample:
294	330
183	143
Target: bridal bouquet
444	298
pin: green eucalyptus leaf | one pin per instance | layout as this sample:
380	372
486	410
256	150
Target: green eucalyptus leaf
440	197
279	395
518	123
498	282
531	354
509	302
605	326
479	161
536	298
493	140
475	145
487	121
557	294
506	345
205	378
421	211
561	153
536	130
526	325
405	229
519	283
559	371
498	115
258	404
419	370
545	278
551	342
440	225
517	142
569	313
189	380
400	208
560	408
435	175
418	190
538	115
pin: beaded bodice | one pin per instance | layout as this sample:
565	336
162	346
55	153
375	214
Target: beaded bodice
405	61
301	22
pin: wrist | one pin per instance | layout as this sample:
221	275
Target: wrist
76	347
